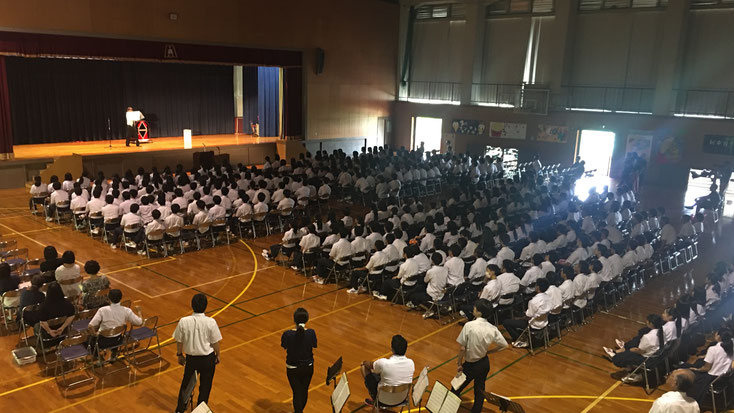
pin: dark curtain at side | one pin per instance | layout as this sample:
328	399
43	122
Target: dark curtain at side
249	96
58	100
268	87
6	131
293	102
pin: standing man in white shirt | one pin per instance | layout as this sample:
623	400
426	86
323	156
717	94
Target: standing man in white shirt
131	132
394	371
474	341
677	401
197	347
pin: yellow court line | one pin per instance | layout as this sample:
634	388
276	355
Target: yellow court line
601	396
431	334
168	259
98	395
210	282
554	396
17	389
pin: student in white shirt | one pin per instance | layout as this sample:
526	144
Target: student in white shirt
131	219
477	270
394	371
373	268
57	197
533	274
156	224
339	255
634	352
455	266
217	211
261	207
38	191
201	219
174	221
435	281
537	315
717	362
405	277
667	234
505	253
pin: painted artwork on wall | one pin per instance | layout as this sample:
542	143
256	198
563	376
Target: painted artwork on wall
553	133
669	150
468	127
508	130
641	143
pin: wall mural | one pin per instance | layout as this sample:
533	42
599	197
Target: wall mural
508	130
669	149
468	127
553	133
641	143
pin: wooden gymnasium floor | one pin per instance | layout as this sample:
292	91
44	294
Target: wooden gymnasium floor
253	301
50	150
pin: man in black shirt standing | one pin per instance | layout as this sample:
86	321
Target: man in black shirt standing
299	344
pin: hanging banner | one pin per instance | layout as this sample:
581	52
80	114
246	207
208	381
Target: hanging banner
640	143
718	144
508	130
553	133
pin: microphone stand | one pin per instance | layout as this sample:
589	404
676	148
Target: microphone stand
109	133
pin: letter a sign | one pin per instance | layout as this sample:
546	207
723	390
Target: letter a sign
170	52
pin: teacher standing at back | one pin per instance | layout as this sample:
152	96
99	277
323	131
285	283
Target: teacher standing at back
299	344
474	341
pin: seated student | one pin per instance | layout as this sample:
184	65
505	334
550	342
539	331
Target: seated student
109	317
69	270
156	224
57	197
581	252
556	296
92	285
111	212
687	229
393	371
134	234
435	282
631	354
630	257
38	190
532	248
217	211
405	276
54	306
477	270
547	265
539	307
288	244
717	362
567	287
286	202
201	219
505	253
491	292
309	242
339	254
261	207
455	266
581	289
146	209
533	274
174	221
509	283
244	208
374	269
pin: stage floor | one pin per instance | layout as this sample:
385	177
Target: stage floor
51	150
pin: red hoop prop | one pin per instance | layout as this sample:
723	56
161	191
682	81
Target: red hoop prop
142	128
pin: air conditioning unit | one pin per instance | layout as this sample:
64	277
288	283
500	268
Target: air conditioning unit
533	101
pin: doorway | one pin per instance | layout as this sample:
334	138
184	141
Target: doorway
595	148
427	131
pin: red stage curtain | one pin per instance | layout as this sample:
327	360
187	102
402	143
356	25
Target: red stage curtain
293	103
6	131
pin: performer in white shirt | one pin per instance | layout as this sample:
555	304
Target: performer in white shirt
132	117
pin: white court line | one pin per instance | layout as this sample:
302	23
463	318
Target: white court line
211	282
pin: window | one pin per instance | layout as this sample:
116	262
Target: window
505	7
442	11
590	5
711	3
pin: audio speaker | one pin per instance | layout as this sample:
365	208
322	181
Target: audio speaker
320	57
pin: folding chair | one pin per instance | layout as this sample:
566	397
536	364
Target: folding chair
23	331
285	215
18	256
173	237
204	231
33	267
533	334
109	227
148	331
368	279
39	199
79	217
113	333
340	268
62	211
188	236
246	221
718	390
10	306
156	239
308	259
81	321
219	226
127	232
73	351
95	222
260	218
47	343
389	397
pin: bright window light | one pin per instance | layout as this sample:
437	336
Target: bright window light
435	101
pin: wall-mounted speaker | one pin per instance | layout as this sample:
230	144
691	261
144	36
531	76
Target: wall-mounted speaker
320	58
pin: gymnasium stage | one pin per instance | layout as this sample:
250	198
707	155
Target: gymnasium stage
113	157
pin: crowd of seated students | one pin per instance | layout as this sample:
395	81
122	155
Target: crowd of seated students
696	313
